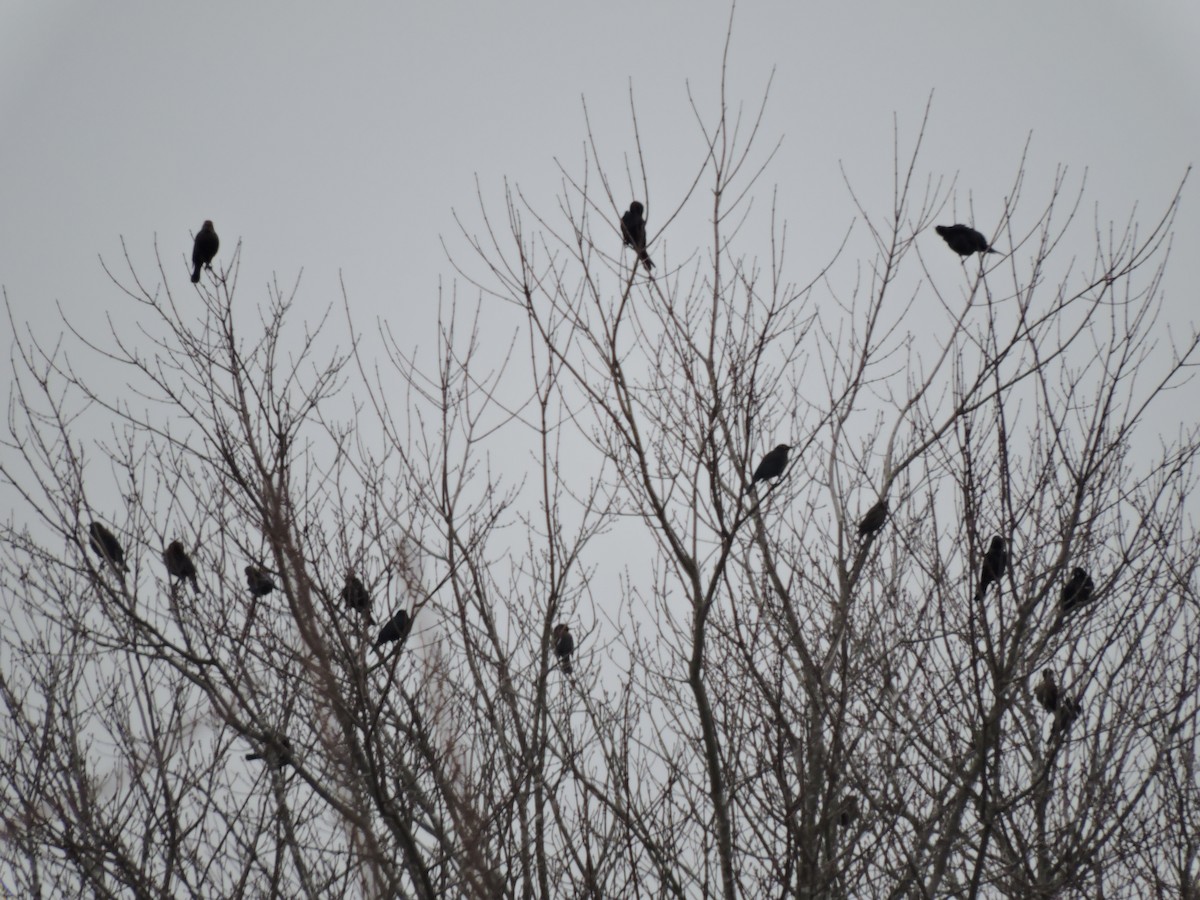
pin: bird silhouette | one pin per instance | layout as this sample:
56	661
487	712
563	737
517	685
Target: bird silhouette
1046	692
633	233
874	519
1078	592
1069	709
772	464
994	562
106	546
259	582
356	596
964	240
564	646
204	249
396	629
179	564
276	752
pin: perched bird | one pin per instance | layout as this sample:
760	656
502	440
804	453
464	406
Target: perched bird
772	464
964	240
1046	692
276	752
204	249
874	519
992	569
847	810
396	629
1069	709
259	582
633	232
106	547
564	646
180	565
1077	593
356	596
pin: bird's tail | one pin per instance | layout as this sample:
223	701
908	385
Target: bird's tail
567	667
991	250
195	585
196	274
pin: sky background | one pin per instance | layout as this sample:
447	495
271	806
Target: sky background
340	139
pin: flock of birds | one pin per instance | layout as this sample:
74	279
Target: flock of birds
962	239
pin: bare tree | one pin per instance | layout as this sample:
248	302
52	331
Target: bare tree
765	699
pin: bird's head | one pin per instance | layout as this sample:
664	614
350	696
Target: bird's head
207	226
943	230
997	543
1078	574
1048	676
636	208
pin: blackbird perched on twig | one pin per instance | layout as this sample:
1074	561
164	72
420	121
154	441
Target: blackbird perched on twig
105	546
396	629
564	646
1046	693
259	582
276	752
874	519
356	596
772	464
964	240
204	249
1078	592
633	233
992	569
180	565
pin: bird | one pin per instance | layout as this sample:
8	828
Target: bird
1046	692
356	596
1069	709
874	519
106	546
772	464
1077	593
276	752
259	582
564	646
396	629
847	810
180	565
633	232
964	240
992	569
204	249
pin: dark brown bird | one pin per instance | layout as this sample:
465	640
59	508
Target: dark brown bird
396	629
1046	691
259	582
994	562
276	752
204	249
564	646
1069	709
1078	592
874	519
180	565
772	464
356	596
633	233
964	240
106	547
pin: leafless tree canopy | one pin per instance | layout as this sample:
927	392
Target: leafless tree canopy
766	699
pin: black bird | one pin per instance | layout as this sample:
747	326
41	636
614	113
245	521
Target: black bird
356	596
847	810
396	629
180	565
964	240
992	569
259	582
564	646
1069	709
204	249
1046	692
772	464
106	546
276	751
1077	593
874	519
633	233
